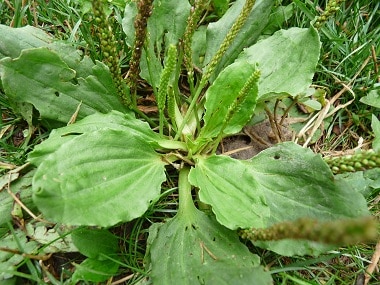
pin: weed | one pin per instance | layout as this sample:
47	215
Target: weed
103	167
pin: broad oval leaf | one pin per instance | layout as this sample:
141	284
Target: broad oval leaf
53	87
220	96
14	40
287	61
198	250
100	178
113	120
230	188
297	183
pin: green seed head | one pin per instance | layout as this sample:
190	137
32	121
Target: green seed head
170	64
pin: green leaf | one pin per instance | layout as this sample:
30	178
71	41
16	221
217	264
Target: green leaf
94	270
363	182
312	104
22	188
289	247
95	243
166	26
113	120
375	124
198	46
372	99
236	198
54	88
287	61
99	178
249	33
9	260
220	6
297	183
14	40
220	96
277	18
195	249
168	20
52	239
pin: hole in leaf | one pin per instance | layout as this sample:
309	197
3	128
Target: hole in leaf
72	134
56	93
194	227
201	280
277	156
74	81
214	239
186	228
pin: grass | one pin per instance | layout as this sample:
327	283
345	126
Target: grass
349	55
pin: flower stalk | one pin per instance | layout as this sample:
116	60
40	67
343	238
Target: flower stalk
108	45
217	57
166	73
342	232
235	107
331	8
192	21
361	161
244	14
144	10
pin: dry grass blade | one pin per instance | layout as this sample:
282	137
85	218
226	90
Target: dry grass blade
374	264
17	200
316	121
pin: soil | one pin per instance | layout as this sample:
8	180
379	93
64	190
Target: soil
254	139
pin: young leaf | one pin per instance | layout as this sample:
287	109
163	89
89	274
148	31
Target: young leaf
95	243
222	94
94	270
53	88
297	183
195	249
236	199
216	32
99	178
287	61
372	99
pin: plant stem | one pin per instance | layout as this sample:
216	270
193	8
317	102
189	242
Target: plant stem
189	112
186	204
